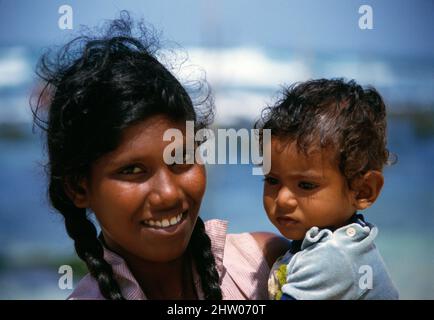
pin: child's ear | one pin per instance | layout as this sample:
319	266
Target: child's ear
78	192
367	188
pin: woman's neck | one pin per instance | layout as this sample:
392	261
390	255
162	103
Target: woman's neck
160	280
164	280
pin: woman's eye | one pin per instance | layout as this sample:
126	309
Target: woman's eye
307	185
131	170
271	181
183	157
186	161
188	157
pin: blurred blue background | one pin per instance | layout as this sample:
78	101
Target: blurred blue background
247	49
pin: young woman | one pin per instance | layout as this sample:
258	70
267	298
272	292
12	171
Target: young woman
111	101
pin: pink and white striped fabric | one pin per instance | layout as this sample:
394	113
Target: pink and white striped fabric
240	262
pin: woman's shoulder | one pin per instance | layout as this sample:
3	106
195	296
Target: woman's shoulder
243	259
86	289
254	246
272	245
258	246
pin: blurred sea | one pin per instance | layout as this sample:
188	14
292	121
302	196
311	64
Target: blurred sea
33	240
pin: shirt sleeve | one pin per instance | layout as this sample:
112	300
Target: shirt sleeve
322	272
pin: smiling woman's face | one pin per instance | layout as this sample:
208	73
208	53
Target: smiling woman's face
145	207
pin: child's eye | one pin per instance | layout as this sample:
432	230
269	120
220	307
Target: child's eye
307	185
131	170
271	181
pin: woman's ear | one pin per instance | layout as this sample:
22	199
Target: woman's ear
367	189
77	192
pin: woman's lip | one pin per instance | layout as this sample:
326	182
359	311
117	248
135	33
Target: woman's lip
169	229
159	218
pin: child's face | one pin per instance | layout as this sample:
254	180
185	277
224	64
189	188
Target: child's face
132	185
301	192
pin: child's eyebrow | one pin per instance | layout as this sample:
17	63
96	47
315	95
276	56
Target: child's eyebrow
301	174
312	174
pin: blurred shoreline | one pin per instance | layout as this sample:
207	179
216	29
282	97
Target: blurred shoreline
35	245
421	119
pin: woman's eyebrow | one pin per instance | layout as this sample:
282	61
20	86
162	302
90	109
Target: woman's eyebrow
122	157
124	160
133	157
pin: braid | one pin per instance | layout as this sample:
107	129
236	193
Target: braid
200	245
86	243
136	86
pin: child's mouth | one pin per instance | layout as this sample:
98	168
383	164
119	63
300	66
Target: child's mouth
286	221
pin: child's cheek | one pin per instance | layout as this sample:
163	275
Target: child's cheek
268	206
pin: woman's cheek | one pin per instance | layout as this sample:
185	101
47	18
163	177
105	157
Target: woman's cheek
117	199
194	182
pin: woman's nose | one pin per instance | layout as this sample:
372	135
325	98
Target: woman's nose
165	193
286	199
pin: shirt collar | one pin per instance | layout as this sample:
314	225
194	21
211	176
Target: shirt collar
355	218
131	290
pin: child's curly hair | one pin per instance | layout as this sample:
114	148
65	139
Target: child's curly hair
333	113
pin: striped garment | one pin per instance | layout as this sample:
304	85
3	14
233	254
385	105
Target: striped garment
240	263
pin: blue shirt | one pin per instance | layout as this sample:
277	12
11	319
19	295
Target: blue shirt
333	264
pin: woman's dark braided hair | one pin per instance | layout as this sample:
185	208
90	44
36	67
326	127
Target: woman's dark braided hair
95	87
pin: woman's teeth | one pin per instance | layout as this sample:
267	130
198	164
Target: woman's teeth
164	223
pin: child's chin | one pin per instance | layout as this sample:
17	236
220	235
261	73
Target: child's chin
293	234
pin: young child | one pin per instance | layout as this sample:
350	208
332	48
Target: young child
328	148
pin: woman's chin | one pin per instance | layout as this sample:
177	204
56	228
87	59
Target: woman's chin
165	254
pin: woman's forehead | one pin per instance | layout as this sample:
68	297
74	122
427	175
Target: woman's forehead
145	137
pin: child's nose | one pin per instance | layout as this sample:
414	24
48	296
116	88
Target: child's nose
286	199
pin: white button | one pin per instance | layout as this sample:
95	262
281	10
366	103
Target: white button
351	232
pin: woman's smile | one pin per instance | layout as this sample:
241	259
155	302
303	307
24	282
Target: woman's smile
165	226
